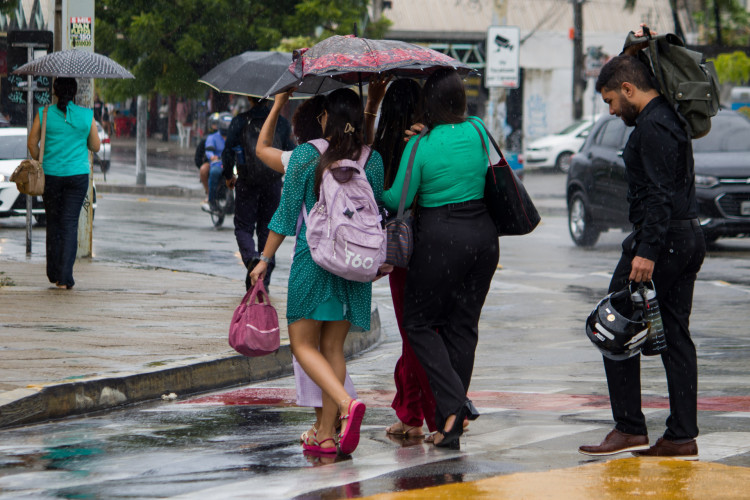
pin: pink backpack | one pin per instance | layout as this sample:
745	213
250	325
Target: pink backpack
254	330
343	228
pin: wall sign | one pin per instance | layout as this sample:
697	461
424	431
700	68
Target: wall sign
502	57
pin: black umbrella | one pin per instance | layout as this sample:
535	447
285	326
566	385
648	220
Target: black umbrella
252	73
74	64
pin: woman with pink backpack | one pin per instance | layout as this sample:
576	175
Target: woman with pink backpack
321	306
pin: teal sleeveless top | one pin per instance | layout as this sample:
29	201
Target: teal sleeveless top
65	149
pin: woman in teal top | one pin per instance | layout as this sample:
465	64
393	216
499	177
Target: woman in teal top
455	248
70	134
322	306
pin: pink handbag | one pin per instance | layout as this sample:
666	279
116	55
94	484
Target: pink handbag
255	325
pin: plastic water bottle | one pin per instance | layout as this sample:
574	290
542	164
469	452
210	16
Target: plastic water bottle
656	342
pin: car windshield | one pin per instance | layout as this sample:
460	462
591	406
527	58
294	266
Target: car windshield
571	128
12	147
729	133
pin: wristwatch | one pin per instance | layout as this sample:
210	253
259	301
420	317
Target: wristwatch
264	258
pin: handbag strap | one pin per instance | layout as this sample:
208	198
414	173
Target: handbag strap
44	133
484	144
407	177
257	294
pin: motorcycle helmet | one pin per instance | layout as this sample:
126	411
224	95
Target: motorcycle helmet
224	120
213	121
617	327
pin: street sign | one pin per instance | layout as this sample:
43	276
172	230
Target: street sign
502	57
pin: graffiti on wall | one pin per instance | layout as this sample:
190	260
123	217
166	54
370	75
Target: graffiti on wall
536	116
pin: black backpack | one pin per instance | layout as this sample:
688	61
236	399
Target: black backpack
684	78
254	172
200	153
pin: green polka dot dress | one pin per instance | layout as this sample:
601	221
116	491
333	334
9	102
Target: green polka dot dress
309	284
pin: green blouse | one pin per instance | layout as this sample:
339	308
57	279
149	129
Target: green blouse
309	284
449	167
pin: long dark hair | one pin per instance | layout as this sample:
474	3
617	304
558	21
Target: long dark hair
305	119
65	89
443	98
343	131
397	113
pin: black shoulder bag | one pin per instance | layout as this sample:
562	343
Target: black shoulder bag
507	201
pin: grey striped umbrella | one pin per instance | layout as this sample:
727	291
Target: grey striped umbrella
74	64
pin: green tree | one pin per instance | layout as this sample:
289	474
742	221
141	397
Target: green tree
169	44
8	6
726	22
733	68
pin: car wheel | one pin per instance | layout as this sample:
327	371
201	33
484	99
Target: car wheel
41	220
582	229
562	164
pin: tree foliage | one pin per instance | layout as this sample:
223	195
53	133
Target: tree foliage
8	6
733	23
733	68
169	44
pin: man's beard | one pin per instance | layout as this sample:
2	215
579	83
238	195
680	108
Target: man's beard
628	113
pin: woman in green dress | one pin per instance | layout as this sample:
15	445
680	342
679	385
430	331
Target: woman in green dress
321	306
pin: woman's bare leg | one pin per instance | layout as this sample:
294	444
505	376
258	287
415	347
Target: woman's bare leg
308	339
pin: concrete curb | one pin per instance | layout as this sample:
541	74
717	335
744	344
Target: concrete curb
26	406
149	190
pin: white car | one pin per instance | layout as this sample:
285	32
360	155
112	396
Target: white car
555	150
12	153
103	156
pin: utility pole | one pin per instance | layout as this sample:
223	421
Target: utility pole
579	81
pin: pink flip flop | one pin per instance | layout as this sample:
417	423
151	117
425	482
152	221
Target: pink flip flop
349	439
313	446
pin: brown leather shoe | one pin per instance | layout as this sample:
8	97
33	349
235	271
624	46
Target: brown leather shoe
667	448
616	442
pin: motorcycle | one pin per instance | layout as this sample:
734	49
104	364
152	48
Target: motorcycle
223	203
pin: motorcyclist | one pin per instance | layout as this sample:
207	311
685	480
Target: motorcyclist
214	148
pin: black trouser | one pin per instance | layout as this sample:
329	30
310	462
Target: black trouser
254	205
455	256
63	198
674	278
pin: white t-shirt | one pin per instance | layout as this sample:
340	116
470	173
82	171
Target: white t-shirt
285	157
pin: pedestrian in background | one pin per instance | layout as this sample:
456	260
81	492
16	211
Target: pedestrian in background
71	133
666	246
455	248
322	306
413	402
257	188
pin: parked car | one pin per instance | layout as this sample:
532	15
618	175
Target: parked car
556	150
103	157
597	184
12	153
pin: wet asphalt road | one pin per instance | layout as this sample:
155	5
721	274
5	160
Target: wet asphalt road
538	383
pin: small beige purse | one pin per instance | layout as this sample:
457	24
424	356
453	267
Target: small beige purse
29	175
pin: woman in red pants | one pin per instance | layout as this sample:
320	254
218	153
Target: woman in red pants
414	403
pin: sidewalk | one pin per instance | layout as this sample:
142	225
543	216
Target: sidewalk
126	333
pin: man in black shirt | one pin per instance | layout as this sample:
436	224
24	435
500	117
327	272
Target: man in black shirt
666	246
257	188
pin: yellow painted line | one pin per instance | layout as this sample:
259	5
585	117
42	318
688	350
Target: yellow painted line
657	478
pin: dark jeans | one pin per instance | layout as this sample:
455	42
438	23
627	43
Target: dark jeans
456	250
63	198
674	278
253	208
